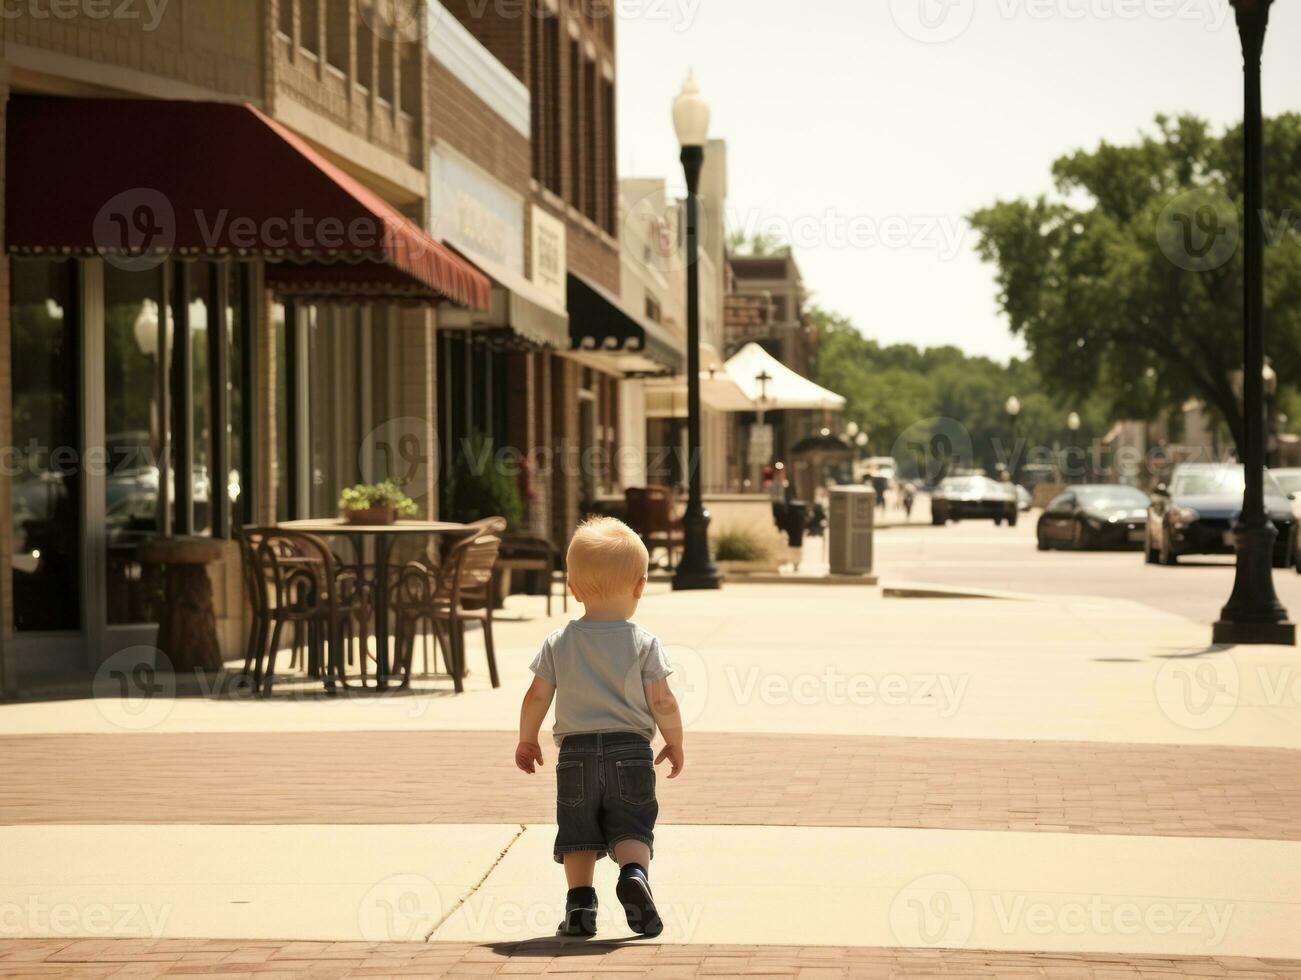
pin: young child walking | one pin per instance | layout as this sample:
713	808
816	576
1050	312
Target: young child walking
609	680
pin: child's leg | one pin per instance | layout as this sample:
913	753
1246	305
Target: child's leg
580	868
632	852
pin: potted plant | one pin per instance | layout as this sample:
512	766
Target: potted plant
375	503
482	486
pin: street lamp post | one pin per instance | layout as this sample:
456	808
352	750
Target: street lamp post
1013	409
1073	423
1254	613
696	570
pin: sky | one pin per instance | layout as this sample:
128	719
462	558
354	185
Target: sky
863	131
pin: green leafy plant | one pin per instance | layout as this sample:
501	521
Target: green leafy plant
737	545
365	496
483	485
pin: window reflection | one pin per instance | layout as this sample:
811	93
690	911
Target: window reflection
134	315
47	440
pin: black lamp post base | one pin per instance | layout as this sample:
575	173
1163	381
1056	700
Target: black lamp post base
696	570
1230	633
699	580
1253	614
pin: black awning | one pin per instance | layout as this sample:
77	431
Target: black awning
599	324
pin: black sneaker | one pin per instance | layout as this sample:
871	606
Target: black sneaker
638	903
580	913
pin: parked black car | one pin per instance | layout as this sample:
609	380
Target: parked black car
1091	516
1195	514
974	497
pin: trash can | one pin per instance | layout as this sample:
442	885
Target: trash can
853	521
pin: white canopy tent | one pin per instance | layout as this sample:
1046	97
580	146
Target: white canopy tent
772	386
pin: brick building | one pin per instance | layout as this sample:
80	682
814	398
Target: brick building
236	342
572	398
250	381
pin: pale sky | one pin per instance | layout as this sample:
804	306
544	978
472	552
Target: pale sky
869	145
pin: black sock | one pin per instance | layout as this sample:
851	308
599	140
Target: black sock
581	897
630	867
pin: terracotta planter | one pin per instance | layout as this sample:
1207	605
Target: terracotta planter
375	516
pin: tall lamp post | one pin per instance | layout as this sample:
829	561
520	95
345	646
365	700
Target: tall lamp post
696	570
1073	423
1013	409
1253	613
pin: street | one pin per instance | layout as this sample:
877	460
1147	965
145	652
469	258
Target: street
978	555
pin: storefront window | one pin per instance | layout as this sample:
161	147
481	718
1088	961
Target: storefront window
206	483
134	308
44	463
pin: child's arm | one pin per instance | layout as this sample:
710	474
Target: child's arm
664	707
537	702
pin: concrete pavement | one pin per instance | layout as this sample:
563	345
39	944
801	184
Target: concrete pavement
1078	782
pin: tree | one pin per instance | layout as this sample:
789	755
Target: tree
1128	283
756	246
904	396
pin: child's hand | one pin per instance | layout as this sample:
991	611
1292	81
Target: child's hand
677	759
526	754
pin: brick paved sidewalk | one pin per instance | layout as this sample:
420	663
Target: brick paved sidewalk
774	780
230	959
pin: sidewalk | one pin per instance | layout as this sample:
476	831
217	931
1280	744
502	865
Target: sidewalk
873	785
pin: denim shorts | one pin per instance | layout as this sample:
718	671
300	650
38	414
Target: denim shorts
605	793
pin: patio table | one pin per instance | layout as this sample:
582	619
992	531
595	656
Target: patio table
384	536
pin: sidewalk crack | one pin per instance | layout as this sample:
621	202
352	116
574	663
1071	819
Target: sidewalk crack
478	884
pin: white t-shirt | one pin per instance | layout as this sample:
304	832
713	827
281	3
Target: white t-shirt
600	671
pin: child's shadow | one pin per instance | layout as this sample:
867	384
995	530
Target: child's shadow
555	945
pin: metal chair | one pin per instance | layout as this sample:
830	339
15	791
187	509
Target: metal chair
424	594
536	555
294	579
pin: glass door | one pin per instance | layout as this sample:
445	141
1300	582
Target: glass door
44	464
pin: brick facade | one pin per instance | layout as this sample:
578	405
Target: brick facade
584	188
462	120
368	84
212	45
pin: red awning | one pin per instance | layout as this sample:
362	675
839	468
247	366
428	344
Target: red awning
136	176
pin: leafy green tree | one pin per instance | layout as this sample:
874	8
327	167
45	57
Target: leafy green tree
904	396
1127	284
756	246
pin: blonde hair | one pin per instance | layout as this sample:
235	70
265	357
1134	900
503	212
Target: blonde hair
606	559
